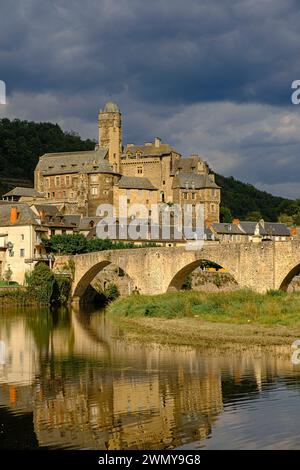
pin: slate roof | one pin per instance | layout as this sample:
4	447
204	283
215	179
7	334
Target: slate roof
193	181
22	191
187	164
149	150
135	182
276	228
25	215
74	162
226	228
85	223
48	209
63	221
248	228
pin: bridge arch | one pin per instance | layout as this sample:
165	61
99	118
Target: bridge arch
295	271
181	274
81	287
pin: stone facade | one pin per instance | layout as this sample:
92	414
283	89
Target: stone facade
78	182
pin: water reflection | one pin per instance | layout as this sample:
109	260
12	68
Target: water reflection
75	383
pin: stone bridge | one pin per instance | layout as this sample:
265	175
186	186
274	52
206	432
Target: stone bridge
258	266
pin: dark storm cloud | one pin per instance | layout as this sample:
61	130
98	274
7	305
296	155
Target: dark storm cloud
209	76
164	51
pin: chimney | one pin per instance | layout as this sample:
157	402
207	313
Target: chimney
235	221
157	142
42	215
208	223
13	215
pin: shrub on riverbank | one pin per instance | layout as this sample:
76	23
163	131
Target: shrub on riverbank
17	296
46	288
240	307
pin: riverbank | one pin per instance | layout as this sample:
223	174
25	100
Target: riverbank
17	297
231	319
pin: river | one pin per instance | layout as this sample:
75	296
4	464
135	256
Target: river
69	380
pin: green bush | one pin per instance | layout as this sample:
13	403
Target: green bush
47	288
111	292
41	282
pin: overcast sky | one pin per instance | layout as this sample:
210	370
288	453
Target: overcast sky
208	76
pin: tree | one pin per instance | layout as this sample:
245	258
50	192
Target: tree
254	216
72	244
41	283
8	274
66	244
286	219
296	219
225	214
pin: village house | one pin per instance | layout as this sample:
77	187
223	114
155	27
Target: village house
249	231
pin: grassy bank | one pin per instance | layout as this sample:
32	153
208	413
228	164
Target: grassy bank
199	318
16	297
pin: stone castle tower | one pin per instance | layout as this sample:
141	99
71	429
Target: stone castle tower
110	133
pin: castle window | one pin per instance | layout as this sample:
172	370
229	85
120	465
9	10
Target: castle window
140	170
94	178
185	195
115	156
64	194
57	181
53	194
67	180
164	182
22	252
91	224
193	195
48	195
47	182
94	191
108	180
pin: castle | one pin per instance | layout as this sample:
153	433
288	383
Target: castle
151	173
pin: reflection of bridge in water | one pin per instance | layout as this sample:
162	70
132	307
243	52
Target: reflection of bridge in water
259	266
87	388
